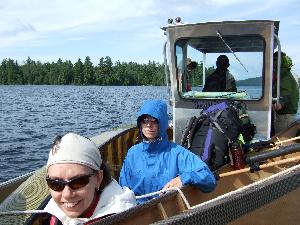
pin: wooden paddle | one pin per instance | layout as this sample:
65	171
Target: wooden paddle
266	165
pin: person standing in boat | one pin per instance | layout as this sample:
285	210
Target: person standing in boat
190	67
285	111
156	163
221	80
80	184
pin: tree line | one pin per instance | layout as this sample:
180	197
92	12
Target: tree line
81	73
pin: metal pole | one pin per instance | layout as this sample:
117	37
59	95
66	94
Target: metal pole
278	68
203	69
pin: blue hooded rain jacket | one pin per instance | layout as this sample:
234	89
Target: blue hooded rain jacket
149	166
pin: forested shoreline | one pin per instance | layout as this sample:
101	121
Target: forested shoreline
85	73
81	73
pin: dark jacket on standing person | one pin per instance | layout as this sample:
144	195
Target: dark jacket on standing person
220	80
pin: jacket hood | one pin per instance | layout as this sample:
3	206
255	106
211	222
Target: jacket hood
286	62
158	110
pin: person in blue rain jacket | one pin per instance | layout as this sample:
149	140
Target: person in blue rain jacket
156	163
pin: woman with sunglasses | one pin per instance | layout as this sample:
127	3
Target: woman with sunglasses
156	163
80	184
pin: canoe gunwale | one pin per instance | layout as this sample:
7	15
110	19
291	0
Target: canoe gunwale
8	187
240	201
102	141
264	191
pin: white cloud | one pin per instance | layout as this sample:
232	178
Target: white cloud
17	18
68	14
70	25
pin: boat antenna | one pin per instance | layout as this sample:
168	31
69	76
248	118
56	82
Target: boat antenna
222	39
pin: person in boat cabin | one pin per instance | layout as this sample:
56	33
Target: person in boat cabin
221	80
190	66
155	163
285	111
81	186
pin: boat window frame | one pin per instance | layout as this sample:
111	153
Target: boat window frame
187	39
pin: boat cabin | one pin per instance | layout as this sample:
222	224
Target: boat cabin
249	46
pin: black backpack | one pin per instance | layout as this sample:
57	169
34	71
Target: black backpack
210	134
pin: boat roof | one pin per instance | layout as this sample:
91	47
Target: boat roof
214	45
276	23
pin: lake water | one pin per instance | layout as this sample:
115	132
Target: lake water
31	116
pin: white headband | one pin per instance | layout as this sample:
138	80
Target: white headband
74	148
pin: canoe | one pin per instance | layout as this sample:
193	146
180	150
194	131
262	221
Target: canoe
241	195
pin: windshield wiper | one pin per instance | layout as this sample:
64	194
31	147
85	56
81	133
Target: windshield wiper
222	39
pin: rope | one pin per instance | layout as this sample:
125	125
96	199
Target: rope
11	181
167	190
21	212
137	197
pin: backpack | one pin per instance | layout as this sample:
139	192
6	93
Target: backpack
210	134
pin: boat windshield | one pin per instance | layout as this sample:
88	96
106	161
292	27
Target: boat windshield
196	61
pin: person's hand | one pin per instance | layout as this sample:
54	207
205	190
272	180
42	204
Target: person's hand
176	182
277	106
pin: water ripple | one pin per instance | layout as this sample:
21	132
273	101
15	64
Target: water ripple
31	116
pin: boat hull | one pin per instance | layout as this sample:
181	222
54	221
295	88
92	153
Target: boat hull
113	145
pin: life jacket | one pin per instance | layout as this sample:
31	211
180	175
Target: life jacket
210	134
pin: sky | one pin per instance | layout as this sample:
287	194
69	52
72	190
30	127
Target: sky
125	30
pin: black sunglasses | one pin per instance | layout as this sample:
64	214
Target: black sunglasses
149	120
74	183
